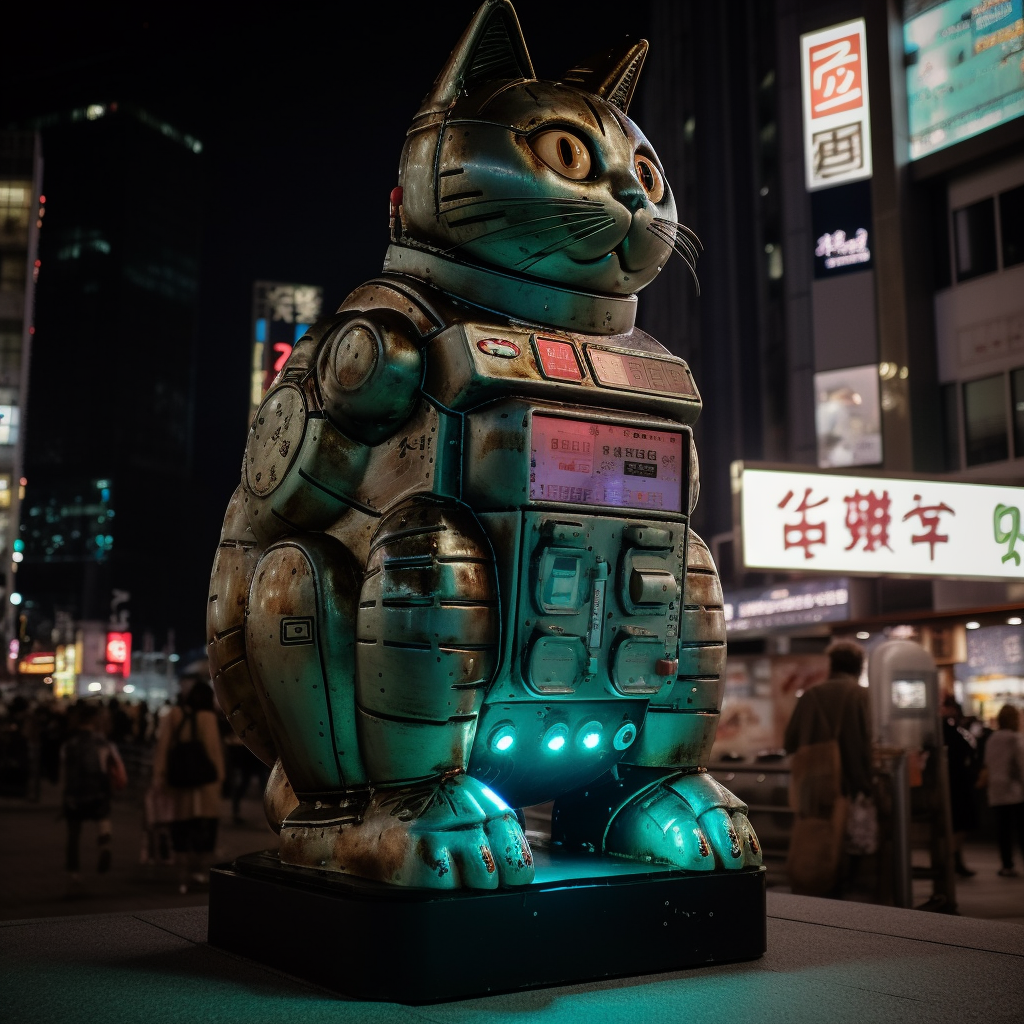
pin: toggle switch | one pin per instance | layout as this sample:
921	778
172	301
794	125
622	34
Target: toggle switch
652	586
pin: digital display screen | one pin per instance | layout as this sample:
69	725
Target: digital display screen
587	463
965	69
633	371
909	694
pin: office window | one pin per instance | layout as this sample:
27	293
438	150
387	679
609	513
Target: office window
985	420
950	429
974	239
1011	225
1017	382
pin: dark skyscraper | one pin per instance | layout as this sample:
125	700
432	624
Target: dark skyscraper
108	439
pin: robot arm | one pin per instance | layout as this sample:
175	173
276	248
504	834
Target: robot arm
347	386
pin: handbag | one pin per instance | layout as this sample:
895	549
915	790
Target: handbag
862	827
188	764
816	798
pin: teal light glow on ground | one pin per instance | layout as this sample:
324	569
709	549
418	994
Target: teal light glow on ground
826	961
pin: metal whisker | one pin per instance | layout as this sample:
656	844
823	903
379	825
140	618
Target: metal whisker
669	231
577	236
524	227
677	237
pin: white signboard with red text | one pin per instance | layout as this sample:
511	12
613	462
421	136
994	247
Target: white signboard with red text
837	124
822	522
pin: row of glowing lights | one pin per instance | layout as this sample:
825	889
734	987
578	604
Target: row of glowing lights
1013	620
504	736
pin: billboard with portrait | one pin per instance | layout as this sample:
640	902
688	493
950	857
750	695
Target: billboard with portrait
848	417
965	69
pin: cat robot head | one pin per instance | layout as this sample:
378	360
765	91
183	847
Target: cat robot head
538	180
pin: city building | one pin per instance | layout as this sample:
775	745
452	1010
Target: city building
22	208
108	438
855	169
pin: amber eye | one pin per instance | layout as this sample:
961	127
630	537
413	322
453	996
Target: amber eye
563	152
650	178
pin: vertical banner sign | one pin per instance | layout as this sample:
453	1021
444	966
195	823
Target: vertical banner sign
837	124
282	313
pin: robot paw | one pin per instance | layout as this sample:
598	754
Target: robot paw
686	820
448	834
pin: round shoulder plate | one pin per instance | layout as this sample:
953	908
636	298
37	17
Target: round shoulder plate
274	439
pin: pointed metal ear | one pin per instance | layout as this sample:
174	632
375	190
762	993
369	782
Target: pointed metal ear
492	48
611	74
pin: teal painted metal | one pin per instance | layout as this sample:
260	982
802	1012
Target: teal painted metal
458	576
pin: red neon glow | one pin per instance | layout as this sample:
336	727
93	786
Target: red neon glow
118	652
285	351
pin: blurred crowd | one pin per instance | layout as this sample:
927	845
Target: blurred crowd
97	749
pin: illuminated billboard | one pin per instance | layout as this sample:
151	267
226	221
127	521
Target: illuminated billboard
896	526
282	313
848	417
965	69
837	124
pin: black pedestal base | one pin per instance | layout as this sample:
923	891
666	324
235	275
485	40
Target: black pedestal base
584	919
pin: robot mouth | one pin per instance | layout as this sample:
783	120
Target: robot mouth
598	260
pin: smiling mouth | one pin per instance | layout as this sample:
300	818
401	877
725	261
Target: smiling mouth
598	259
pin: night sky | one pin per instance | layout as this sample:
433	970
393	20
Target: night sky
302	111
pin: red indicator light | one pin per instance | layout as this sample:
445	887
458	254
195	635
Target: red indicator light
498	347
558	359
42	199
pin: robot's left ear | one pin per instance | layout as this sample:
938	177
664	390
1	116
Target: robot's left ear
491	49
611	74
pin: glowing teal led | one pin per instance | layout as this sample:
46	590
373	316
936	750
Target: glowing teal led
589	737
555	738
625	736
503	738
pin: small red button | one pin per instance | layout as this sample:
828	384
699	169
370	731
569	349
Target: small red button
498	347
667	666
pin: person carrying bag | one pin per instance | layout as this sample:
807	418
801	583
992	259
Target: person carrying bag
831	765
188	764
816	798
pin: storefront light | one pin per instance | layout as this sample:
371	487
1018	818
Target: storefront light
973	625
1013	620
863	636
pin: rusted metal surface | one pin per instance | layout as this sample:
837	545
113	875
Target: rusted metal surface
412	636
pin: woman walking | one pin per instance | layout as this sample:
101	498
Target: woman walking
1004	759
189	764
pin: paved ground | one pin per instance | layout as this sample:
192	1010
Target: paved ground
34	883
826	961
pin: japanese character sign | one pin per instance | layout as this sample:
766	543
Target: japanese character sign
838	522
837	125
803	534
836	75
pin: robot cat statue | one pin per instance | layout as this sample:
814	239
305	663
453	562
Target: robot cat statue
458	576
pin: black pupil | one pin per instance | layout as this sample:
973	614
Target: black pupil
646	175
565	151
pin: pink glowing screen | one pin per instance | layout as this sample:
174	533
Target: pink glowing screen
585	463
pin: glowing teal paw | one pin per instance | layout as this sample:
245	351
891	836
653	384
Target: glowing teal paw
687	821
448	834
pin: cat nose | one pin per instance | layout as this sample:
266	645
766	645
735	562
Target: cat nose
631	194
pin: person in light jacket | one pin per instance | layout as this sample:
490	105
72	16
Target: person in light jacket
1004	759
196	808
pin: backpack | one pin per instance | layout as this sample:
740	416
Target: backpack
188	764
86	780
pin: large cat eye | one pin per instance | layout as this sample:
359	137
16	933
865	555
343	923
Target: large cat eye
563	152
650	177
